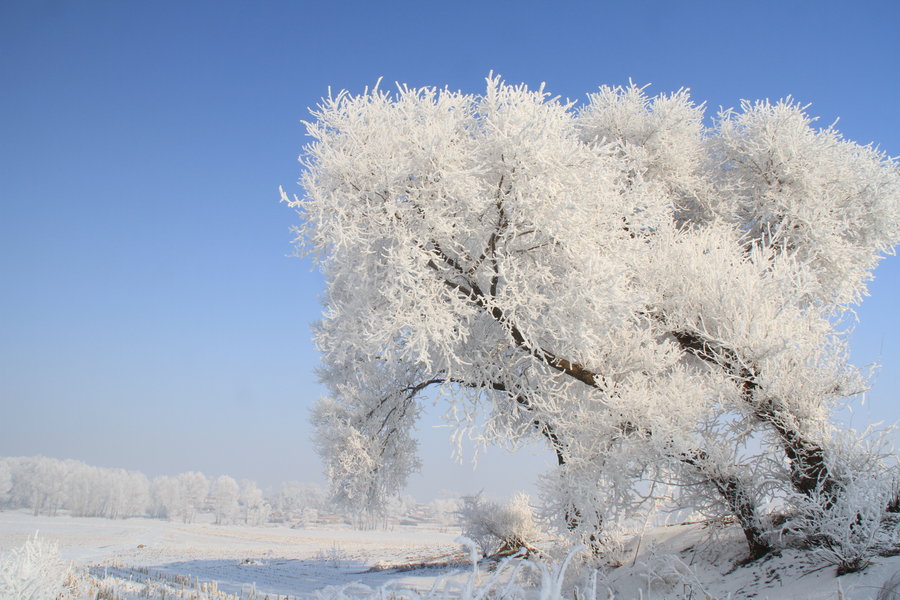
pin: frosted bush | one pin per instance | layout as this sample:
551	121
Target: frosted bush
333	557
500	528
33	572
846	529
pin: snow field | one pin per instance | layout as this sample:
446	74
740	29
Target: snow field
146	558
277	560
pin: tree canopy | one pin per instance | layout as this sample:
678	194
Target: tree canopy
658	297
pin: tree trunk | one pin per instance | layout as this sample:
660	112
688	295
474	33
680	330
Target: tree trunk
809	471
739	501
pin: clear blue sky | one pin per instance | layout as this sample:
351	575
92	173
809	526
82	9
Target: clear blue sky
151	316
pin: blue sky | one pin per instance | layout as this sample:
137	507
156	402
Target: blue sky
152	318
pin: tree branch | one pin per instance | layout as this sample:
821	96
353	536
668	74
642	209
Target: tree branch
809	470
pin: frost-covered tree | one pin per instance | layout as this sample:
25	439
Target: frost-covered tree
225	499
110	493
179	497
646	293
47	485
38	483
253	507
192	489
297	502
164	498
367	460
5	481
137	494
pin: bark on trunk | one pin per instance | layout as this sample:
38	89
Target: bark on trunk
463	282
809	470
739	501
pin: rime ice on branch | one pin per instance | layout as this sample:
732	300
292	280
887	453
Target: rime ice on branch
644	293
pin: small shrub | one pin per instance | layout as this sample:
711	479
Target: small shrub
847	528
500	529
334	556
33	572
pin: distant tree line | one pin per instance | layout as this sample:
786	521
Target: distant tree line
47	486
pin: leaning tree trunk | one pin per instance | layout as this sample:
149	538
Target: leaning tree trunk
737	497
730	488
810	473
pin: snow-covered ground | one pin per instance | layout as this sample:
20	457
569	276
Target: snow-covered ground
277	560
683	561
